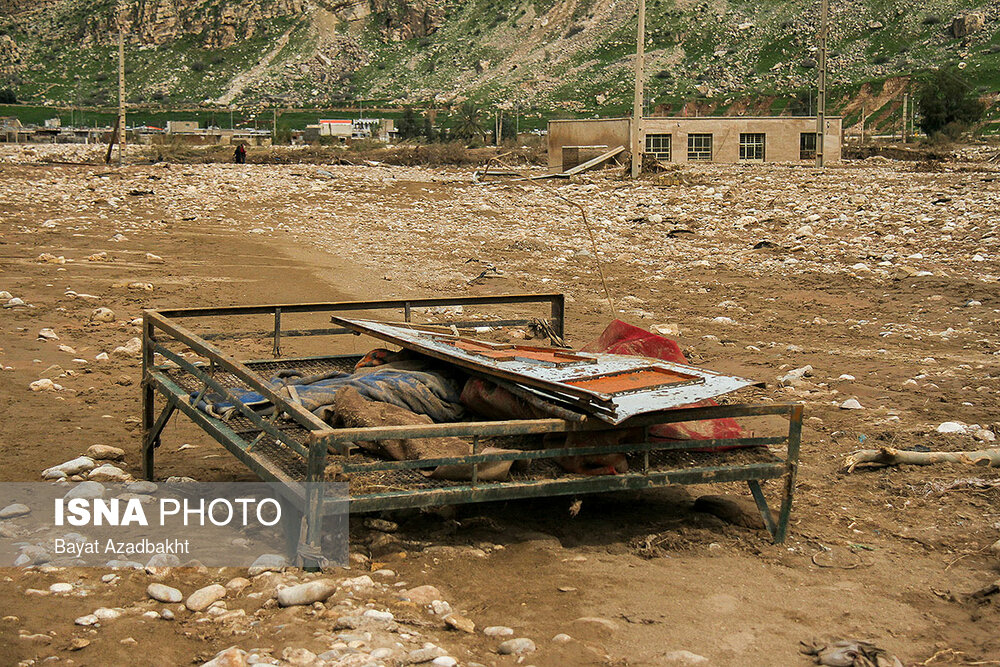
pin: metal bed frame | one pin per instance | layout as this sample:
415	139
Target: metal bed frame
293	447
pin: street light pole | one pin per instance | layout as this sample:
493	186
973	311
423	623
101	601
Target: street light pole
640	56
121	85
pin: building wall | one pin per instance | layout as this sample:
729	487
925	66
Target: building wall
781	135
610	132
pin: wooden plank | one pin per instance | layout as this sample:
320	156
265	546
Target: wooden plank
590	164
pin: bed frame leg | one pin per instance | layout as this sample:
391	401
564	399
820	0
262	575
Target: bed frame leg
794	441
291	524
312	549
765	511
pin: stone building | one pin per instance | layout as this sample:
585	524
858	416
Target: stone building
702	139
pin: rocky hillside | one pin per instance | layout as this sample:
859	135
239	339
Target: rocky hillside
568	55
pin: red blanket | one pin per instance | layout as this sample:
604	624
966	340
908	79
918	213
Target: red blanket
623	338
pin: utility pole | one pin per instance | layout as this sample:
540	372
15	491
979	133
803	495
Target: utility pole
864	118
121	86
821	92
640	56
906	98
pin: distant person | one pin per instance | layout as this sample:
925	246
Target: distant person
241	154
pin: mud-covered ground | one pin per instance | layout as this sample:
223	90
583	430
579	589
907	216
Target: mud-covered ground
880	276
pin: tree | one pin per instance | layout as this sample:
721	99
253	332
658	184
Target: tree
469	125
508	128
428	131
947	102
7	96
408	124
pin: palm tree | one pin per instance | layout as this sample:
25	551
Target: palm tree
469	123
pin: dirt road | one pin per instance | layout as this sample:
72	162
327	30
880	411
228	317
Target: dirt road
883	279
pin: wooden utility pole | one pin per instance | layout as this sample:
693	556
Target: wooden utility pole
906	98
640	56
864	118
821	92
121	86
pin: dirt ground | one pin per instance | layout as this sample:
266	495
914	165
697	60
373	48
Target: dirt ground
886	555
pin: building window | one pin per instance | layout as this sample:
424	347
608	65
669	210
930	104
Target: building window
752	146
699	147
807	146
658	145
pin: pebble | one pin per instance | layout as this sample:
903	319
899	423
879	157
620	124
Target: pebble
444	661
851	404
61	588
267	563
683	659
299	657
231	657
518	646
952	427
47	334
202	598
142	486
359	583
14	510
562	638
102	314
154	259
460	623
106	614
794	375
132	348
425	654
237	584
45	384
107	453
109	473
71	467
313	591
498	631
89	619
163	593
422	595
85	490
167	615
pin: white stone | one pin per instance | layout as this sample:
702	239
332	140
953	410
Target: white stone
72	467
517	646
132	348
851	404
45	384
307	593
102	315
267	563
61	588
108	473
683	659
498	631
14	510
106	614
952	427
163	593
85	490
202	598
89	619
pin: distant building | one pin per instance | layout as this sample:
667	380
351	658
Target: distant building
702	139
343	130
53	122
182	126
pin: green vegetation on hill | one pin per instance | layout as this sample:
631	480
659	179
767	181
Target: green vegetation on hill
541	57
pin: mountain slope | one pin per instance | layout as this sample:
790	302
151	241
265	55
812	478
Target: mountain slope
570	55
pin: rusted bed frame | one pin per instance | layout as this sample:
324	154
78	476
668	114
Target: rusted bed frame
295	449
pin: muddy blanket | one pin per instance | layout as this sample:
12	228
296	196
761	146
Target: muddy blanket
352	410
413	386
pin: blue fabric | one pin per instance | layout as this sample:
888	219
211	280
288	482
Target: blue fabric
424	392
